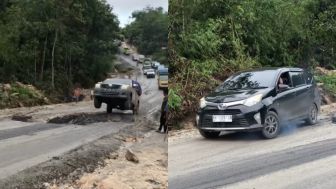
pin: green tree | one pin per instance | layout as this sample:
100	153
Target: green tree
148	32
54	44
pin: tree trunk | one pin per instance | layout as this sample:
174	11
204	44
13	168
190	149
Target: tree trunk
43	58
52	62
183	19
35	65
70	67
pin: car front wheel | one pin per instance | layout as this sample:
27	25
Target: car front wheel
271	127
209	134
97	103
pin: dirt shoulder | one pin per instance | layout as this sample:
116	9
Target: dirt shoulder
119	173
85	159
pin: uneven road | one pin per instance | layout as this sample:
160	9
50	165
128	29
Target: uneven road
301	157
25	144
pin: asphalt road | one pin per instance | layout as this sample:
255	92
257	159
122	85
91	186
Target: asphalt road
302	157
23	145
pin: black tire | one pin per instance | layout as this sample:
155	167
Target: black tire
136	109
97	103
312	115
109	108
271	127
209	134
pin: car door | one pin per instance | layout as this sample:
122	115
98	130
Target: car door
284	100
302	89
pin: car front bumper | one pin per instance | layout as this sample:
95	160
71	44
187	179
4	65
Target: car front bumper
243	118
105	93
150	74
163	85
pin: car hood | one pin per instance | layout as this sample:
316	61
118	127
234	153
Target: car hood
234	95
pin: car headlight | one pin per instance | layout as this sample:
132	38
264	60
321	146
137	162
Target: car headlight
253	100
124	87
97	85
202	102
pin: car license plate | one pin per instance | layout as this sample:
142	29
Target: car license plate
222	118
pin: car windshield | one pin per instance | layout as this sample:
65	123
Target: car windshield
150	70
117	81
249	80
147	66
163	77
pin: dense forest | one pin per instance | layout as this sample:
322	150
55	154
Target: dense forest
148	32
211	39
55	44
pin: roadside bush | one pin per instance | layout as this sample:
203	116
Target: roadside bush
19	95
329	83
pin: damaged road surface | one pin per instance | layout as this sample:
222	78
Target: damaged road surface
302	157
56	134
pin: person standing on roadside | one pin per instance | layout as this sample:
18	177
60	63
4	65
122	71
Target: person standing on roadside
166	116
163	117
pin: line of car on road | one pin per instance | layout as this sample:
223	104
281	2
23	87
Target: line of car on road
152	69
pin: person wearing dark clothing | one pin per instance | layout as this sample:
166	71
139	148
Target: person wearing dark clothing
164	108
166	116
137	87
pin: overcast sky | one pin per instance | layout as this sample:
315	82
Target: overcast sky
124	8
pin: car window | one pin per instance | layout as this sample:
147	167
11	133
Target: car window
297	78
249	80
285	79
309	77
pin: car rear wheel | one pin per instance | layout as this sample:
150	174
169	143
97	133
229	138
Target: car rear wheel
271	127
97	103
209	134
109	108
312	115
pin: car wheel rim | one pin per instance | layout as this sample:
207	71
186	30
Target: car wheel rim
313	113
271	124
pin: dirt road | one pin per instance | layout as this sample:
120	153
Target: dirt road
26	144
302	157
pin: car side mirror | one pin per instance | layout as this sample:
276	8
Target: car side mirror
283	87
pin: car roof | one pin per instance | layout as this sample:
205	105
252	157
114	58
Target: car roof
118	81
279	69
163	70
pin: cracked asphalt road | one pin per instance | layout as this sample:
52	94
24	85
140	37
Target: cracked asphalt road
302	157
23	145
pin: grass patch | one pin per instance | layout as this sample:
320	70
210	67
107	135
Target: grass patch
329	82
19	95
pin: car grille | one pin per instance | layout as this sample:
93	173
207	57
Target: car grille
109	92
236	122
223	112
107	86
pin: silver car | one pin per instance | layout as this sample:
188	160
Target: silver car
121	94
